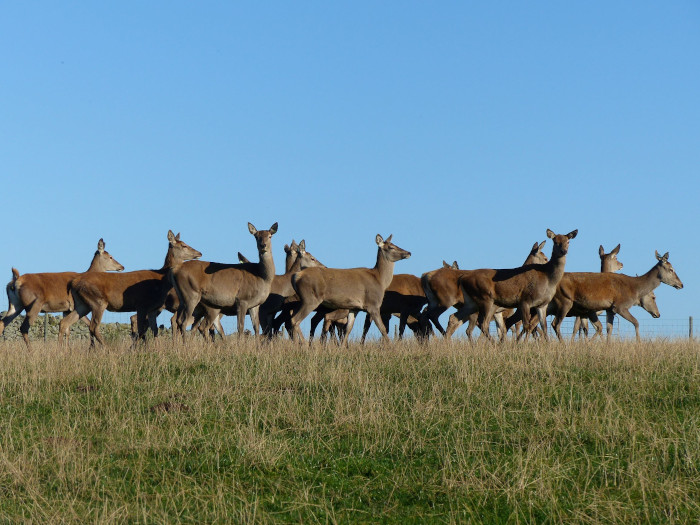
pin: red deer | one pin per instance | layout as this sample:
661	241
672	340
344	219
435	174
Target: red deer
171	304
442	291
218	286
608	264
354	289
404	298
613	292
48	292
143	291
530	286
281	288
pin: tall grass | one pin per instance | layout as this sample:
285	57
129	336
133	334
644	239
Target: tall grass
246	432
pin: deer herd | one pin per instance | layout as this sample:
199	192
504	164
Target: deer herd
198	293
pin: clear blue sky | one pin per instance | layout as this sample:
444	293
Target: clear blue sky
465	129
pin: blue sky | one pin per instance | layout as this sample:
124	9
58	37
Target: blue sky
465	129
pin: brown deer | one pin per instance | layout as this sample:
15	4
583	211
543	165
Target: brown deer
613	292
218	286
281	289
171	304
530	286
404	298
48	292
442	291
354	289
608	264
143	291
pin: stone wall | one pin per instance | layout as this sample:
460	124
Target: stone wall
110	331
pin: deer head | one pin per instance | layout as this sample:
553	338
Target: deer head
648	302
561	242
390	251
263	238
666	272
180	249
307	260
106	261
608	261
537	256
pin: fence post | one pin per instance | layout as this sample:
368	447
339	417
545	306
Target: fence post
690	327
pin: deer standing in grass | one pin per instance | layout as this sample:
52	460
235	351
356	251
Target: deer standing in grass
442	291
404	298
218	286
143	291
530	286
171	304
608	264
613	292
354	289
48	292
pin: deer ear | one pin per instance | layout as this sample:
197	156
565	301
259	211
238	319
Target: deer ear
444	264
388	239
455	265
101	246
616	250
535	247
252	229
542	245
550	233
177	237
601	251
665	257
379	240
572	234
287	249
242	258
273	229
171	236
302	246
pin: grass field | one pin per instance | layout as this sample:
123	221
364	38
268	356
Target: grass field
245	433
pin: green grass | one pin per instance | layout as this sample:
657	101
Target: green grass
246	433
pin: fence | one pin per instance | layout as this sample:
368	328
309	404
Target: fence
118	325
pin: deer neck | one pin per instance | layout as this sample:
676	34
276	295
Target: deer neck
290	261
172	261
556	267
96	264
648	282
267	266
384	269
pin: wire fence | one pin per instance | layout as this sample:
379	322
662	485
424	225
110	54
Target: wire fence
648	328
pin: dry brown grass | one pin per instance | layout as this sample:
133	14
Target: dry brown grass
247	432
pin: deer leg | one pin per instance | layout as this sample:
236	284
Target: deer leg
576	330
95	325
610	317
32	313
302	313
501	326
486	312
254	314
219	327
365	328
593	317
584	326
625	314
457	319
542	314
434	314
173	324
10	316
373	312
351	321
317	318
142	322
66	323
